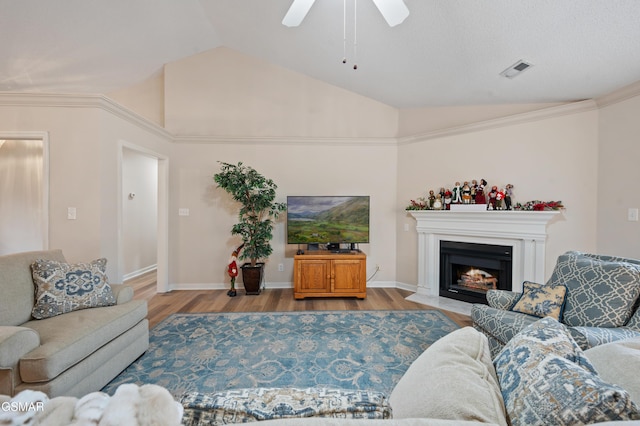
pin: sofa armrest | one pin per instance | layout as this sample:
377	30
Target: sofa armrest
122	292
502	299
15	342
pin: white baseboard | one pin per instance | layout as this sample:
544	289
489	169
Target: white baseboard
284	284
139	272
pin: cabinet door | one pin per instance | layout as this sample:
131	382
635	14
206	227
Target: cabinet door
312	276
348	275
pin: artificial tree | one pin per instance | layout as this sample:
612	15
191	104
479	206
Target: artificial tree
256	194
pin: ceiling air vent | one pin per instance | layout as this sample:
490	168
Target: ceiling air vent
516	69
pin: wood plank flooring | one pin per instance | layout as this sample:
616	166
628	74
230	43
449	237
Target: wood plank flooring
161	305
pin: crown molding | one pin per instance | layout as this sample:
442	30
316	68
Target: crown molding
525	117
620	95
284	140
108	105
50	100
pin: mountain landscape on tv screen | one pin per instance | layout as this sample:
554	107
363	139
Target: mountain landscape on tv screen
328	219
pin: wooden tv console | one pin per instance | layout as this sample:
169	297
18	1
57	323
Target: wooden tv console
327	274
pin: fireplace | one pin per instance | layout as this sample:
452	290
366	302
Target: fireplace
469	270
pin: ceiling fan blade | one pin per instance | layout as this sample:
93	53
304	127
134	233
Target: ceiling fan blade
393	11
296	13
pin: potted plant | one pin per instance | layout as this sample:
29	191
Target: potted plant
256	194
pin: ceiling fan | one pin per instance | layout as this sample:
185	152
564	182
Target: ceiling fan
393	11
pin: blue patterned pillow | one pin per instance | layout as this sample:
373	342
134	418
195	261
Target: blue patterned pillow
546	379
63	287
541	300
601	290
253	404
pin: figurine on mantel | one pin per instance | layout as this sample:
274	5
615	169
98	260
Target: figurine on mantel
466	193
432	198
456	194
480	197
493	198
437	203
508	194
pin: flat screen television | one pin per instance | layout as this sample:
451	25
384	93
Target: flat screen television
316	219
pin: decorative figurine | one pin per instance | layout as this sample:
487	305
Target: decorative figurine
447	199
437	203
508	193
499	198
480	197
432	198
474	190
466	193
456	194
493	198
232	270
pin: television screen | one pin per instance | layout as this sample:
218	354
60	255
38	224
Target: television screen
327	219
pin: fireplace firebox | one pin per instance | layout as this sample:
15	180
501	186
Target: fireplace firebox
469	270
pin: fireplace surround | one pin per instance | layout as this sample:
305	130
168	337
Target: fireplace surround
525	232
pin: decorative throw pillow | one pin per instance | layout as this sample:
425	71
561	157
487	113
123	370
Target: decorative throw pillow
63	287
601	290
541	300
253	404
546	379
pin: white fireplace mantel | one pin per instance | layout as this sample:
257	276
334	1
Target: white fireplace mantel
525	231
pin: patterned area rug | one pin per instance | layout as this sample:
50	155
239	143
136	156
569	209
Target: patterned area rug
350	350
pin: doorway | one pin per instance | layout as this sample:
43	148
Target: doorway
24	192
143	214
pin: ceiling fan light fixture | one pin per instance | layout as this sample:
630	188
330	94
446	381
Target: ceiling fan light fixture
516	69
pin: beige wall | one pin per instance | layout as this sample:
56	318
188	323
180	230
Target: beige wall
619	157
84	142
550	158
202	243
226	94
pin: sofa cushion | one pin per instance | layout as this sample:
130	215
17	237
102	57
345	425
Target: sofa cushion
541	300
63	287
614	361
453	379
248	405
16	283
69	338
545	378
601	290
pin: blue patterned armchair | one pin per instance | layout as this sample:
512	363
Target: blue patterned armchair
599	303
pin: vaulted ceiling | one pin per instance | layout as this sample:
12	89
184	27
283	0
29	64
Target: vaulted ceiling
445	53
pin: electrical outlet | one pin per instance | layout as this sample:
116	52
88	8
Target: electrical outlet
378	267
71	213
280	267
632	215
183	211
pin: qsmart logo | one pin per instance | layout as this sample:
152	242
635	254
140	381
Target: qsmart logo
21	407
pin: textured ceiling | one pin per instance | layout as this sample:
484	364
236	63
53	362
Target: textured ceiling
445	53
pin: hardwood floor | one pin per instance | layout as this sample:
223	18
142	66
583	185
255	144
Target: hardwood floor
161	305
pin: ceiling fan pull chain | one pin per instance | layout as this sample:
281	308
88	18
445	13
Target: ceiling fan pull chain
344	31
355	34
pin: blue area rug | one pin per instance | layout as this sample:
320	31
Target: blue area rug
353	350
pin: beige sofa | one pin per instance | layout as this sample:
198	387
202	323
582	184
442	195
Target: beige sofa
69	354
